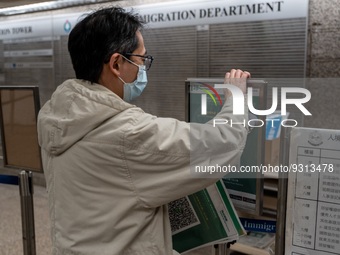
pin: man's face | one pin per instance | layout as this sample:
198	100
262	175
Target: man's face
129	71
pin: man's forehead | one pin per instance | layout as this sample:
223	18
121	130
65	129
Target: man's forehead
141	48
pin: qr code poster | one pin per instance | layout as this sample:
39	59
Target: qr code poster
203	218
182	215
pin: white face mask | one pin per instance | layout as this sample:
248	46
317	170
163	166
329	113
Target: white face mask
134	89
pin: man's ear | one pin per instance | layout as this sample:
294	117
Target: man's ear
115	63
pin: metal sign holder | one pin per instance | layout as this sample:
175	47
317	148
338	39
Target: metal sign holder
282	193
14	101
27	212
261	87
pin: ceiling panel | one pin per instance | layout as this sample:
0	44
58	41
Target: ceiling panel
13	7
13	3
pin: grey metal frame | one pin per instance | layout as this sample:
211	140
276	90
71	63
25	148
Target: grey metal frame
282	193
36	98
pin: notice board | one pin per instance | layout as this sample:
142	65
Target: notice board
313	198
19	106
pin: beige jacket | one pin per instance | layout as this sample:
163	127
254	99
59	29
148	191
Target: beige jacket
112	168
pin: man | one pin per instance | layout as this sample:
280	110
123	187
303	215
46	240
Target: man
110	167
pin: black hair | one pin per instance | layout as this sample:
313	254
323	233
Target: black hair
100	34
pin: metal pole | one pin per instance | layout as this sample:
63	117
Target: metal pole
27	212
219	249
282	194
223	248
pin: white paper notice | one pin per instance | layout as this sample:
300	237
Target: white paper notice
313	199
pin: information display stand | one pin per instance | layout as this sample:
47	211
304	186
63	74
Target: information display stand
313	193
19	106
246	193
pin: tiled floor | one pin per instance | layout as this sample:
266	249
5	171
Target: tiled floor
10	223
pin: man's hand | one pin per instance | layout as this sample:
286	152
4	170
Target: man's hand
237	78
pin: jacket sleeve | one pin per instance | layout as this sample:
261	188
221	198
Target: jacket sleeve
161	154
